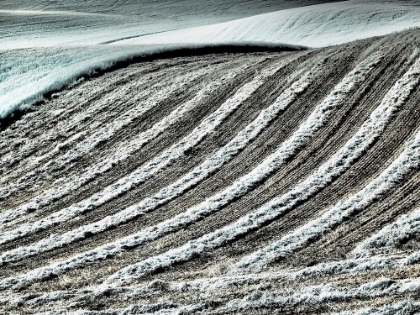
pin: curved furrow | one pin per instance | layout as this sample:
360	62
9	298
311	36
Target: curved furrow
271	182
312	298
335	245
63	126
320	294
109	111
261	118
121	231
238	208
202	171
101	135
404	164
402	307
359	270
140	175
135	195
125	95
307	130
404	227
77	105
121	152
354	230
253	220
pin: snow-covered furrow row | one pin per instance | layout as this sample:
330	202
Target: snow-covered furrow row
59	111
140	175
121	152
359	143
322	293
62	110
317	119
399	308
79	118
391	235
57	296
323	270
273	208
101	135
65	125
199	173
303	135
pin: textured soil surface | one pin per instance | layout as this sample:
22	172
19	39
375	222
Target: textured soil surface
250	183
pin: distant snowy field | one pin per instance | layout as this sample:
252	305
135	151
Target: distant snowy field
47	44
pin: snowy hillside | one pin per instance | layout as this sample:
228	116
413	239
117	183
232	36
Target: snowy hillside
27	74
209	157
314	26
276	182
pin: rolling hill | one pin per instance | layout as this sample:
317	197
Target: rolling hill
269	182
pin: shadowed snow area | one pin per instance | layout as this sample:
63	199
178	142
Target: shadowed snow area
83	30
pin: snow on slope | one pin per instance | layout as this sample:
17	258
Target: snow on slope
314	26
83	38
25	75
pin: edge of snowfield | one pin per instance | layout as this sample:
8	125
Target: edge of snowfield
26	75
315	26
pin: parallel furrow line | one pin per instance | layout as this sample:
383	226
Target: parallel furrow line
64	126
121	153
321	294
96	138
320	271
206	126
304	134
170	192
403	307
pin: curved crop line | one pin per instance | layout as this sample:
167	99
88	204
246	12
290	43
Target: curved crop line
122	152
86	145
206	126
368	133
215	162
408	161
71	124
402	307
149	309
321	270
306	131
325	174
390	235
310	295
62	127
146	171
332	101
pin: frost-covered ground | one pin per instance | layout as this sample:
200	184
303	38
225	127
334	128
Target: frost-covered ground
44	45
203	159
284	181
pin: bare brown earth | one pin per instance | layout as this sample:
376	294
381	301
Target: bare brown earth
122	91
